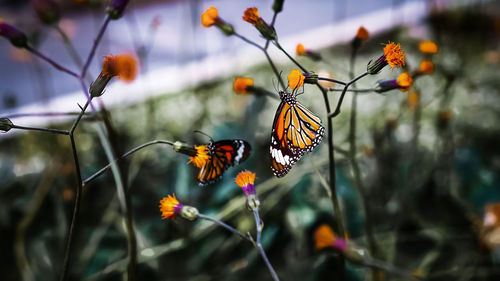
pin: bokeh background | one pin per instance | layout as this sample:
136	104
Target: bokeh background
428	168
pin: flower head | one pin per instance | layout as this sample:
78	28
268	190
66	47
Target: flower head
251	15
210	17
324	237
295	79
115	10
362	33
245	180
200	157
170	207
241	85
5	125
16	37
428	47
404	81
492	214
47	10
394	55
124	66
300	50
426	67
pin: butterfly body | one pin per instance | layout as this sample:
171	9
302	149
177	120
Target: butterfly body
296	130
223	154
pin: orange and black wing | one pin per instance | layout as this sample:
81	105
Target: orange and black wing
296	130
223	154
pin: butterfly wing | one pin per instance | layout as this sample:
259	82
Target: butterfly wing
224	153
296	130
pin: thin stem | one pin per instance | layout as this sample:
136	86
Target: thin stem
290	57
69	46
41	114
98	173
331	80
353	90
273	21
337	109
248	41
275	70
96	43
258	226
50	61
230	228
55	131
76	211
77	120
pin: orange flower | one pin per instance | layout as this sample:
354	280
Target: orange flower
324	237
295	79
413	99
210	17
404	81
444	115
492	214
124	66
394	55
170	207
251	15
241	85
245	178
300	50
362	33
201	157
426	67
428	47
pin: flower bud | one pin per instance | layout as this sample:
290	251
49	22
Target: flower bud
5	125
374	67
311	78
183	148
384	86
189	213
97	87
355	254
115	11
225	27
252	202
16	37
278	6
47	11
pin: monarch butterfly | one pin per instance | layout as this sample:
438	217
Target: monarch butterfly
223	154
296	130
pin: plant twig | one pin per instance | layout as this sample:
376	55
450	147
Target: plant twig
259	227
128	153
230	228
55	131
339	103
107	19
50	61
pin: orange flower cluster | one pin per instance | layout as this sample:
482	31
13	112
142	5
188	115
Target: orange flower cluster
300	50
426	67
362	33
428	47
394	55
241	85
295	79
245	178
124	66
404	81
210	17
324	237
169	207
251	15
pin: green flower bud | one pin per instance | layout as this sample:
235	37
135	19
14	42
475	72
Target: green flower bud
5	125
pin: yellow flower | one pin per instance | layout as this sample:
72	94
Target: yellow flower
300	50
362	33
201	157
209	17
394	55
413	99
245	178
251	15
170	207
426	67
295	79
124	66
404	81
428	47
241	85
324	237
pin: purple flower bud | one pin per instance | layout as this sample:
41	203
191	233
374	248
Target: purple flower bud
115	11
47	10
16	37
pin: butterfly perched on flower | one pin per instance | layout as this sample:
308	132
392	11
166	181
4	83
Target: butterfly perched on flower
296	130
216	157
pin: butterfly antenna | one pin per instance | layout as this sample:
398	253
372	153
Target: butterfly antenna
200	132
301	92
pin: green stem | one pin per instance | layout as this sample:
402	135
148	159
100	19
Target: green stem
230	228
258	226
128	153
55	131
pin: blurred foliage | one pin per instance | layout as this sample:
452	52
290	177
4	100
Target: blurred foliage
427	178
